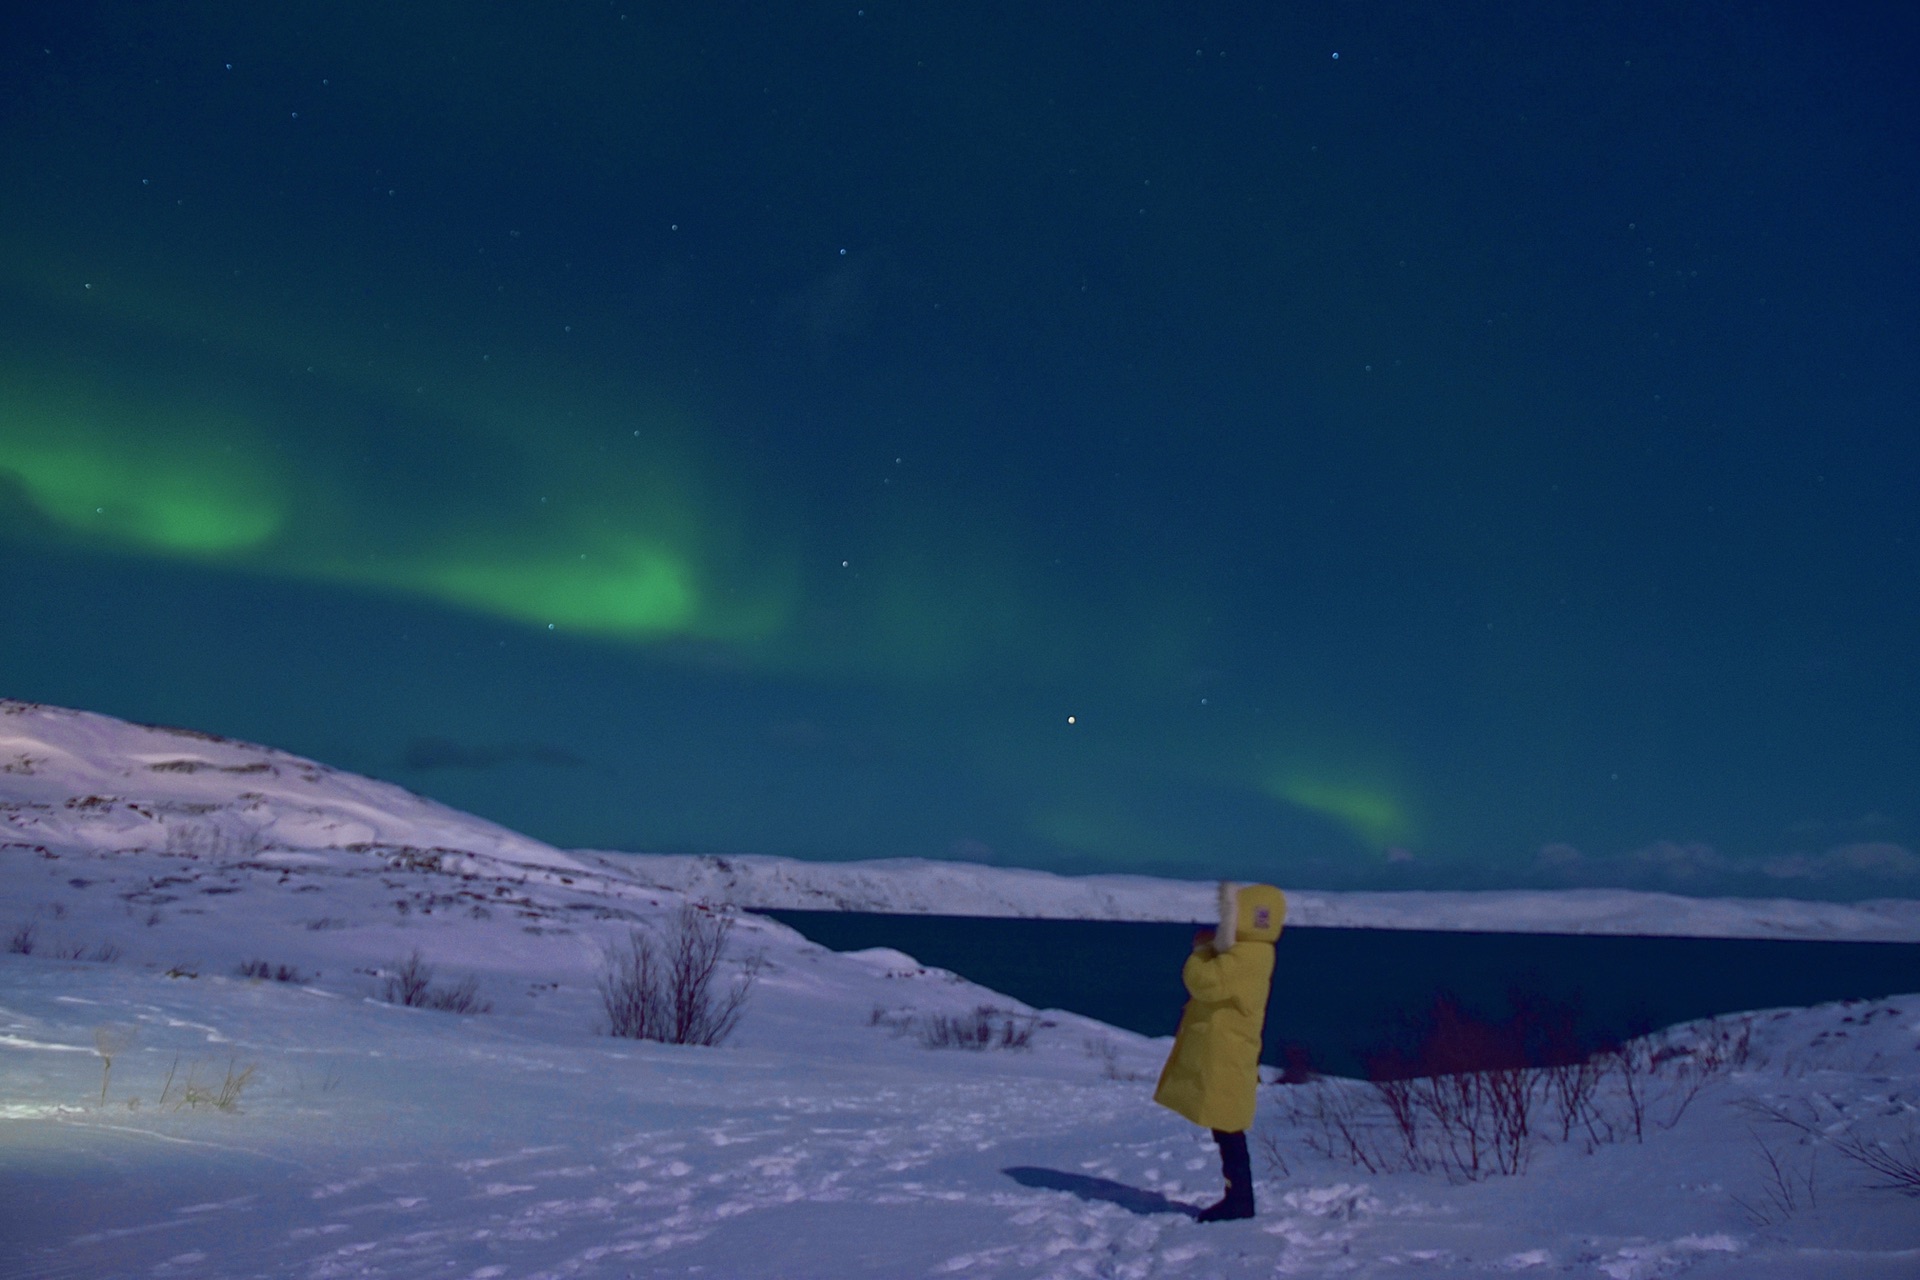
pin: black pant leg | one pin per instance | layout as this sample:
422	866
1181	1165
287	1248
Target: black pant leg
1236	1164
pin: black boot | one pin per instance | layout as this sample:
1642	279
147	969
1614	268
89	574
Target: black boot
1238	1168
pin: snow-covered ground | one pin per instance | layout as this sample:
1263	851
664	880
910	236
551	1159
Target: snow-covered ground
145	868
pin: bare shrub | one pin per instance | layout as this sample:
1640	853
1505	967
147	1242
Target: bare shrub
663	989
408	984
1267	1143
1894	1159
1411	1125
955	1030
633	989
224	1096
1659	1076
412	985
1899	1168
988	1027
1784	1191
23	939
1461	1101
1469	1097
462	997
696	1013
273	972
1343	1120
1465	1124
985	1027
109	1041
1107	1054
1631	1070
1692	1057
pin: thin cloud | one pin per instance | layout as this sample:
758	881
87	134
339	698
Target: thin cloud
1695	866
1874	859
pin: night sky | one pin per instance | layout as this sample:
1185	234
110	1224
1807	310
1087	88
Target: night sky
1350	445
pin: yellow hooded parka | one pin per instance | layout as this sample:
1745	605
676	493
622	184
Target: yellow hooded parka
1214	1068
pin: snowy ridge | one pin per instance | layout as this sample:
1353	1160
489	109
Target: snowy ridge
916	886
74	778
913	886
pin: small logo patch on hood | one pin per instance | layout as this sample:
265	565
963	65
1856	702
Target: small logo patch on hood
1261	909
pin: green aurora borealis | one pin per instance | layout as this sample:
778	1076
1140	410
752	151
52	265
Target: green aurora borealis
1486	457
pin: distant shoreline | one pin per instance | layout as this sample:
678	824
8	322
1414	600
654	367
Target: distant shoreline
914	886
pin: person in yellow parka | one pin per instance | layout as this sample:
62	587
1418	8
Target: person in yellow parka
1211	1075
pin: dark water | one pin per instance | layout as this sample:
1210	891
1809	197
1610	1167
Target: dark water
1338	993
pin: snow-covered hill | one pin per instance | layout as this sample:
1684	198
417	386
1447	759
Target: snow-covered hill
917	886
199	1077
80	780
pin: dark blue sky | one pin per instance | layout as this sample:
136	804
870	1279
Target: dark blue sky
1338	444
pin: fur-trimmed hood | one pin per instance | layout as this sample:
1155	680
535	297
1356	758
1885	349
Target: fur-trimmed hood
1249	913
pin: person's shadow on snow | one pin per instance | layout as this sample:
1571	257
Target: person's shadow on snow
1132	1199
